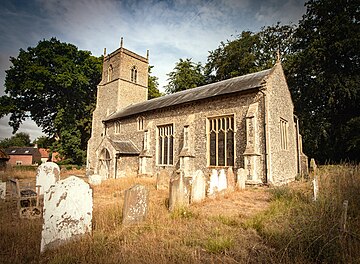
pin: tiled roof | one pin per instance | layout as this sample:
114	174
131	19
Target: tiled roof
125	147
22	151
233	85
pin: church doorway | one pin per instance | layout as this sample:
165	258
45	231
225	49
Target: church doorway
104	163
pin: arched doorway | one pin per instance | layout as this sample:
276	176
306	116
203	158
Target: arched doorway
104	163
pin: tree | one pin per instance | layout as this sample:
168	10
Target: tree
55	84
249	52
323	74
18	140
186	75
43	142
153	84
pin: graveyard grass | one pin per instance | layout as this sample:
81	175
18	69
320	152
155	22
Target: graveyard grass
258	225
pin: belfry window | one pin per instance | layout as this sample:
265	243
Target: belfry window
221	141
166	145
134	74
109	73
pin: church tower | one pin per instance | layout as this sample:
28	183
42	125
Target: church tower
124	82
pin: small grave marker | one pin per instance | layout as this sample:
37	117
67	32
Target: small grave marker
2	190
198	187
135	205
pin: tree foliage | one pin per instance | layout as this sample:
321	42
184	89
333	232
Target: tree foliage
323	74
44	142
55	84
249	52
153	90
186	75
18	140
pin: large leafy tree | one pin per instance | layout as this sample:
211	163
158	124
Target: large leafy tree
153	90
54	83
18	140
186	75
323	75
249	52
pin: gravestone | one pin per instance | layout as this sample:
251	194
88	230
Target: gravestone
198	187
162	180
230	179
222	181
241	178
313	166
48	174
95	179
179	194
136	204
214	183
67	212
316	187
2	190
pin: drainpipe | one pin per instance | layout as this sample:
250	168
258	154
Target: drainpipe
116	162
298	145
267	140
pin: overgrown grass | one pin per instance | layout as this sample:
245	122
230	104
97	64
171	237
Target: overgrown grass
292	229
309	231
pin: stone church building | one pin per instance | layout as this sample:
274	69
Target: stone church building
243	122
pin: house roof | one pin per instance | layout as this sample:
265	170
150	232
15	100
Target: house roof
22	151
44	152
233	85
125	147
3	155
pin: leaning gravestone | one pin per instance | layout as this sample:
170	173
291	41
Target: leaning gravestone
2	190
135	204
222	181
162	180
241	178
67	212
230	179
198	187
179	194
48	174
95	179
214	183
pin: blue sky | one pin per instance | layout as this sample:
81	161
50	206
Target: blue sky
169	29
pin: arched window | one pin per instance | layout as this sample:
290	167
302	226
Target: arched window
134	74
109	73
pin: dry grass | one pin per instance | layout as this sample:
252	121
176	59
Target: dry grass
280	225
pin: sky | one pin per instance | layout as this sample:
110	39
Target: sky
170	30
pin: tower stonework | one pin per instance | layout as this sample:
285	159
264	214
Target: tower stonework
124	82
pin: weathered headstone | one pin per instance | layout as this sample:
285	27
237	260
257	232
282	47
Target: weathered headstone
214	183
95	179
135	204
198	187
47	175
313	166
316	188
162	180
230	179
67	212
2	190
179	194
241	178
222	181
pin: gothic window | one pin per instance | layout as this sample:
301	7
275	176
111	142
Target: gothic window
283	134
140	122
117	127
134	74
221	141
109	73
166	145
186	136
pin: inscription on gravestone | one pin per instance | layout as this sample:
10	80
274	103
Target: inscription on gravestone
135	204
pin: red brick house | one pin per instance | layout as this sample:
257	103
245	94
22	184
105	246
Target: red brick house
23	155
47	155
